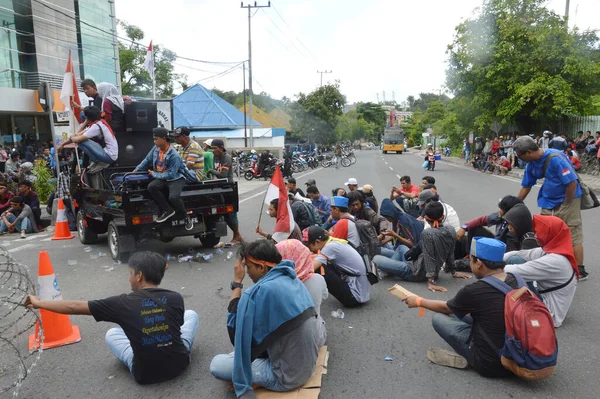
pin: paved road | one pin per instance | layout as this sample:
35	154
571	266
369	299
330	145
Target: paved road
358	343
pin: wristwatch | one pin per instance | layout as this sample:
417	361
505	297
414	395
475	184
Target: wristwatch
235	284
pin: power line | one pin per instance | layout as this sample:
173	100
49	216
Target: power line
296	36
279	29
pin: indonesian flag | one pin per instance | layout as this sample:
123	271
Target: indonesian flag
149	61
69	91
285	220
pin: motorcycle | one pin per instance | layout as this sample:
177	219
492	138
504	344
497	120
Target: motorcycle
254	172
447	151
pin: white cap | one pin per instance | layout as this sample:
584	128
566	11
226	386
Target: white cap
351	181
208	142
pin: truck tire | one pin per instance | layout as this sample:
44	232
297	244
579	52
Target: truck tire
248	175
400	152
209	240
114	237
86	235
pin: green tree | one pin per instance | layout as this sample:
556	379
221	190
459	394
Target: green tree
517	62
135	80
374	114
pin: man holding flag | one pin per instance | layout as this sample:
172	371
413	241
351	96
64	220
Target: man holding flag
279	207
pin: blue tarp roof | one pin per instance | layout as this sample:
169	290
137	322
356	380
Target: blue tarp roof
198	107
239	133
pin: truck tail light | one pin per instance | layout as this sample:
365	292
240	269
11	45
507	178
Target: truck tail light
222	209
142	219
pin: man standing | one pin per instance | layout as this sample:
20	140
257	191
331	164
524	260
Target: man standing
287	162
190	152
164	164
223	170
291	186
208	156
3	159
560	195
321	203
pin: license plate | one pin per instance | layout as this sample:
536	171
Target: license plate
181	222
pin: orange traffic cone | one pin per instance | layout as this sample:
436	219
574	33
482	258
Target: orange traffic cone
58	330
61	230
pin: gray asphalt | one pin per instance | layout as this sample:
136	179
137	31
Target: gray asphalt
358	343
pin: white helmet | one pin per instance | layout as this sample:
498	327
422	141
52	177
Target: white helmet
253	151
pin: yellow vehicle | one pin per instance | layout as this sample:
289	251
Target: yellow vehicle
393	140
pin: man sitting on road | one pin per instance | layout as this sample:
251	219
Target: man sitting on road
164	164
291	186
18	217
475	312
361	211
97	141
300	211
156	333
370	200
450	216
190	153
296	234
344	228
352	184
407	193
343	267
321	203
310	182
223	170
272	325
31	199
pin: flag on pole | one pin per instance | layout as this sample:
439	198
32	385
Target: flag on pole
68	92
285	220
149	61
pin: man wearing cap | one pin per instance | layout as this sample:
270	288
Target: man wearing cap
208	156
370	200
343	266
190	152
291	186
164	164
310	182
223	169
321	203
31	199
344	229
475	312
352	184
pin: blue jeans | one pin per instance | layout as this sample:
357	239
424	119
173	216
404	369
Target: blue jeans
262	372
395	263
467	156
119	344
455	332
24	225
95	151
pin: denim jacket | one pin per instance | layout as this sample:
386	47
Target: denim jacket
172	159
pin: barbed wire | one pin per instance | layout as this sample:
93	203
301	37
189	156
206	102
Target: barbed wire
16	323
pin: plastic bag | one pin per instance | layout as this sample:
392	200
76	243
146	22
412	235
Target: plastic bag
425	165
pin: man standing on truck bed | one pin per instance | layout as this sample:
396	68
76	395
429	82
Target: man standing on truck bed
223	170
163	163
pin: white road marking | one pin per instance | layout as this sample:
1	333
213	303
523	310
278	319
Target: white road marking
513	179
392	169
398	176
386	163
263	192
32	237
17	249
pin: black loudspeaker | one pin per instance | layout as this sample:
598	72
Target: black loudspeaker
136	141
140	117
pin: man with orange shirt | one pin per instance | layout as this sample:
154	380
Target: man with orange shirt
408	193
345	228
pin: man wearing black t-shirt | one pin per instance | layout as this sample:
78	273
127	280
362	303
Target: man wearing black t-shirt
156	334
477	310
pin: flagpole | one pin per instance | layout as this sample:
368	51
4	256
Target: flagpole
262	207
153	76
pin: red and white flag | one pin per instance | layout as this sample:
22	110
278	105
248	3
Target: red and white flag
149	61
285	220
68	92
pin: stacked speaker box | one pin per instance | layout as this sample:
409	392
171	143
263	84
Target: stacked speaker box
136	140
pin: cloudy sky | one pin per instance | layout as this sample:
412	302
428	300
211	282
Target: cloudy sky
396	46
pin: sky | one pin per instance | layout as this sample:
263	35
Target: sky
396	46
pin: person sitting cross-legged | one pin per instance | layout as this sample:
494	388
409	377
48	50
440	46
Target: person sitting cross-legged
155	333
19	217
272	325
475	312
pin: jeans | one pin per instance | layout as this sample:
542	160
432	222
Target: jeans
95	152
262	372
455	332
119	344
487	166
156	188
24	225
467	156
395	265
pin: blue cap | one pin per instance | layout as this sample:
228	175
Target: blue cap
488	249
341	202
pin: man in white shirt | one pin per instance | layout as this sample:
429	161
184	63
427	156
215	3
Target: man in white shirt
450	216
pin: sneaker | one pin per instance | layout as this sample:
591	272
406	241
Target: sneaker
189	223
23	235
164	216
583	275
446	358
96	167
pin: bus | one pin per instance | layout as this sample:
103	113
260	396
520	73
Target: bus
393	140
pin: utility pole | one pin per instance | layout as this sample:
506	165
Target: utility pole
567	9
322	72
245	114
250	7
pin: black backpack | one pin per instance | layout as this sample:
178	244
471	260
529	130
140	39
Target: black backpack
369	243
313	216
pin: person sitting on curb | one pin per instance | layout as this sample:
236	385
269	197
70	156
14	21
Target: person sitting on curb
272	325
553	266
272	211
19	217
5	196
164	164
31	198
343	266
156	333
436	248
475	312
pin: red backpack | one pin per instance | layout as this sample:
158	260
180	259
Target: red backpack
530	348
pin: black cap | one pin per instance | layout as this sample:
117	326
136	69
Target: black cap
17	199
160	132
310	182
217	143
180	131
25	183
313	233
291	180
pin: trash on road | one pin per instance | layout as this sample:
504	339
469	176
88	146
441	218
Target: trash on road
338	314
110	269
184	258
87	249
218	251
208	256
72	262
93	256
229	255
101	254
388	359
169	257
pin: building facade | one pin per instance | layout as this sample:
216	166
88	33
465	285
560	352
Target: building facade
35	39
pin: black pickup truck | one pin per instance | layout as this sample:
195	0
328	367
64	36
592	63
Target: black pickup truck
116	201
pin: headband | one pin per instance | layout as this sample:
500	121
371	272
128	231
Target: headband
260	262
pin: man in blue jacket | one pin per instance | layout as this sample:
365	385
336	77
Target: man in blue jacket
164	164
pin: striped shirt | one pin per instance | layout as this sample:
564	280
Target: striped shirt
193	158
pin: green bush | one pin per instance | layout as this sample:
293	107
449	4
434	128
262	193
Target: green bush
44	184
410	142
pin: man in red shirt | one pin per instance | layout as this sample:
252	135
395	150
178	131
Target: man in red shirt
504	166
495	146
409	193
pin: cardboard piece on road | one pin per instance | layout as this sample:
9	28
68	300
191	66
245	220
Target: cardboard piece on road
310	390
400	292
